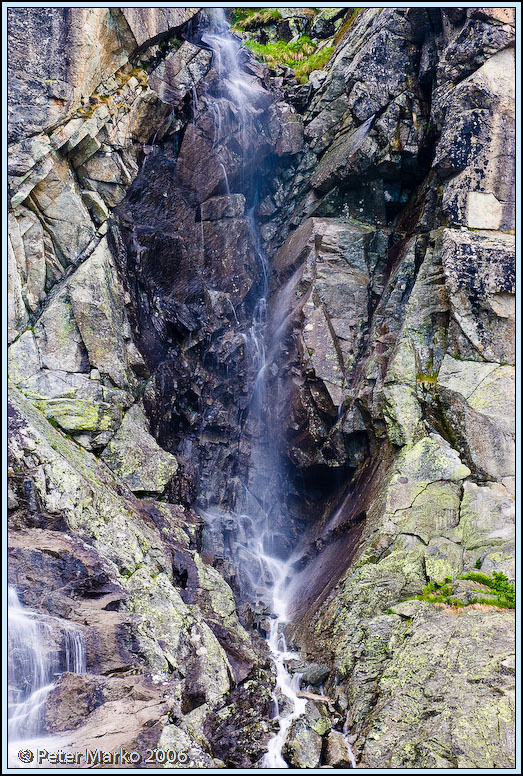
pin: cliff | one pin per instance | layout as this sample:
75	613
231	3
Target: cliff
381	190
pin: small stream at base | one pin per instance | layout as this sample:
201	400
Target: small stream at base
40	648
286	684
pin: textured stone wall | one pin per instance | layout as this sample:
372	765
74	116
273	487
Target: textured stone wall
93	538
402	239
387	215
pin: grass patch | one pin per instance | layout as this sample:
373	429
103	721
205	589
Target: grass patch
499	584
243	19
301	55
435	593
316	61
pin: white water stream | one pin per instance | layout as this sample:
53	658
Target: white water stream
40	648
265	572
34	670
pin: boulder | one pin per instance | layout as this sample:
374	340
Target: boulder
63	212
431	664
337	753
326	22
302	747
29	246
480	111
17	316
58	338
315	674
135	457
95	294
487	527
180	72
479	278
216	208
478	402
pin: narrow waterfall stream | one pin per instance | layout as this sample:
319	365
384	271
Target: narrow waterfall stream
264	567
41	647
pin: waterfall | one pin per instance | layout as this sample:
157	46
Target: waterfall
265	574
40	648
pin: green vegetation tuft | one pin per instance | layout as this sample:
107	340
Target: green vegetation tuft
499	584
127	573
436	593
301	55
243	19
347	24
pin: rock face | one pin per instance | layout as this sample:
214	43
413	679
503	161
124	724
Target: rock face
417	370
163	640
383	202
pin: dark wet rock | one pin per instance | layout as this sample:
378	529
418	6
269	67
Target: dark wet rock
230	206
476	41
300	96
180	72
242	727
315	674
327	22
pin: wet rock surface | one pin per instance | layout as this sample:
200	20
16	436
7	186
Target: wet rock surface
385	206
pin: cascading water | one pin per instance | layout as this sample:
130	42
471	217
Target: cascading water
265	573
40	648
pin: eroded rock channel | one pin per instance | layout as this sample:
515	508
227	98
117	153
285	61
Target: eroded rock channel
261	412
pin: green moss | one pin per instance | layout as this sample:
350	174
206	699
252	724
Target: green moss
347	24
301	55
462	358
167	44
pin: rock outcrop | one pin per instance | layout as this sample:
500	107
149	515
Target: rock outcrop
94	538
383	194
400	368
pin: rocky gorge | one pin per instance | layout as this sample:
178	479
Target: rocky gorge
251	303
